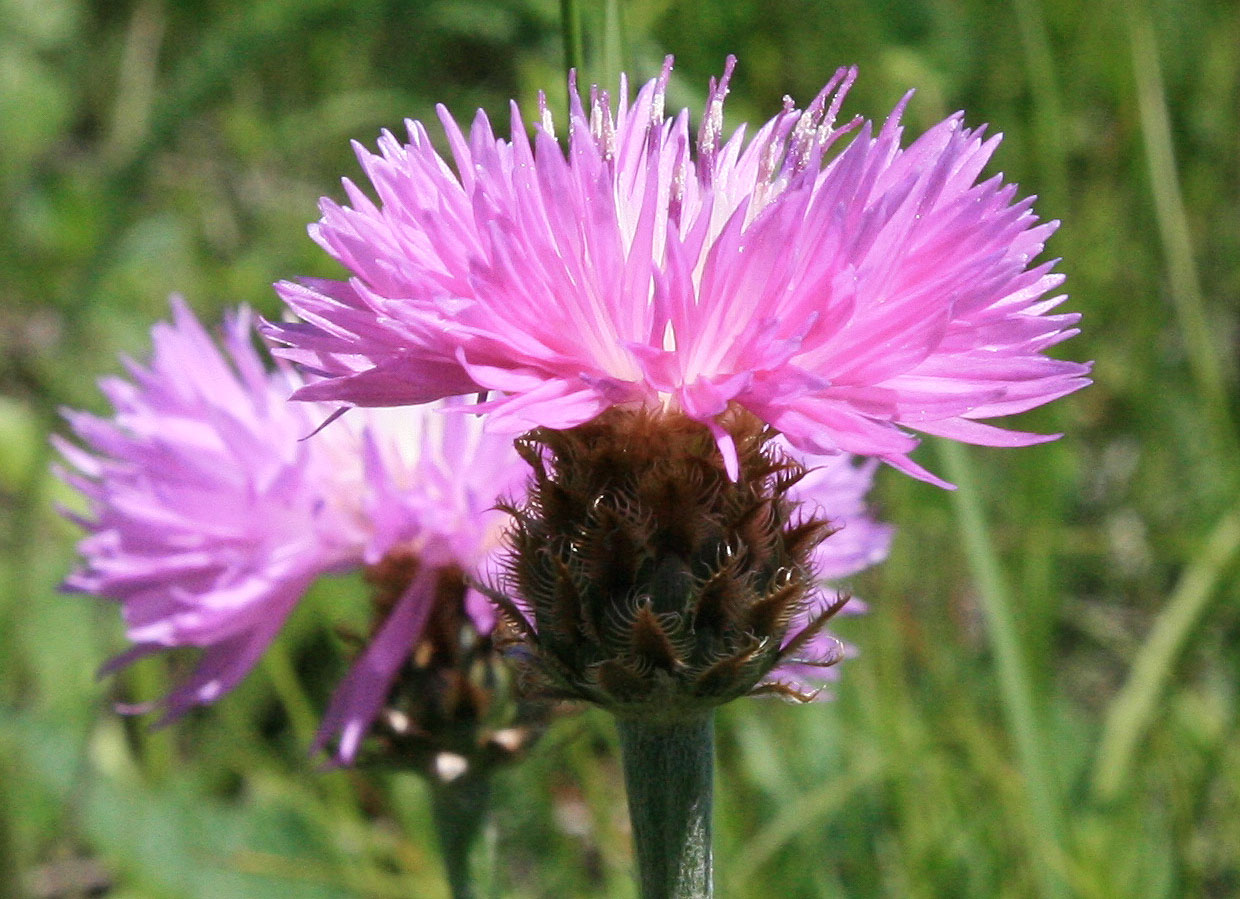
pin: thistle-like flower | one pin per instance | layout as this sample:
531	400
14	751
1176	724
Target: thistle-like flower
653	318
654	321
210	514
838	286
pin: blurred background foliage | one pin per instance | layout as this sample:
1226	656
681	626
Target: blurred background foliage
149	146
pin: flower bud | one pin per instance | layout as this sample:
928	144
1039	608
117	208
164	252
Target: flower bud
452	710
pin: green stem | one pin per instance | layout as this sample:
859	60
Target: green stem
613	45
669	774
460	809
570	30
1003	631
1205	357
10	886
1047	113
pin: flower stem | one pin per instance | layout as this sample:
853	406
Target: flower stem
1206	359
570	31
668	773
460	808
1000	614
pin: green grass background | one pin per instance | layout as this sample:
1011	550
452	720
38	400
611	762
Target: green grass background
1046	699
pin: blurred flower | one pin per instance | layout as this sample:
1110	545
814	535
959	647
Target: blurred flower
840	295
210	515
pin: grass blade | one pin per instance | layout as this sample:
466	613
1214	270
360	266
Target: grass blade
999	612
1184	282
1131	712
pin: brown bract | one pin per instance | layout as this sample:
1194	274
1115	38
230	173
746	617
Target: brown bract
647	580
452	710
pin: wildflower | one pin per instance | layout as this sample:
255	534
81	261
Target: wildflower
654	317
844	292
210	515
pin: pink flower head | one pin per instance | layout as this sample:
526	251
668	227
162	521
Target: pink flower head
844	291
210	514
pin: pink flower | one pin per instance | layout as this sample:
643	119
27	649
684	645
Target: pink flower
845	291
210	514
